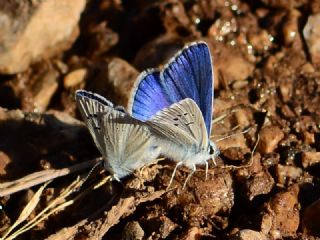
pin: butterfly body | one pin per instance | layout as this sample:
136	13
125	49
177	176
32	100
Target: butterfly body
190	157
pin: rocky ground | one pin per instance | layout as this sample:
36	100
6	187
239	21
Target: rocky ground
266	58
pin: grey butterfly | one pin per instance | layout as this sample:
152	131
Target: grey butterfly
182	135
125	143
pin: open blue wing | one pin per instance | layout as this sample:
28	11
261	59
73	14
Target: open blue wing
189	75
148	96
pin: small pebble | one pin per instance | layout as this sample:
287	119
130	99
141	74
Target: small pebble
269	139
281	215
290	28
261	183
311	33
310	220
192	234
44	90
260	41
248	234
74	78
132	231
310	158
287	172
122	76
308	137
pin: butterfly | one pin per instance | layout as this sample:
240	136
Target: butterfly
125	143
176	102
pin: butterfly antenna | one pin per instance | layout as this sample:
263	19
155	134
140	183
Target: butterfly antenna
232	110
234	134
253	151
251	158
228	113
173	174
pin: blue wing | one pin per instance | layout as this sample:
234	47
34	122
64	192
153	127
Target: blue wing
148	96
189	75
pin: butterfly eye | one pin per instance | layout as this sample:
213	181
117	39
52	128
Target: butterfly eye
213	149
210	149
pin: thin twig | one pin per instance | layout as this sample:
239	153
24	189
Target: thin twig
37	178
54	206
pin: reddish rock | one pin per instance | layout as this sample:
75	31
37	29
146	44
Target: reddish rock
35	30
43	90
290	28
4	161
75	78
287	173
193	233
269	139
132	231
252	169
122	76
308	138
310	220
230	65
243	117
281	215
261	183
237	141
215	195
284	3
311	33
310	158
247	234
260	41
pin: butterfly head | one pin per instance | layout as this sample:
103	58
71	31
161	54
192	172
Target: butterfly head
213	150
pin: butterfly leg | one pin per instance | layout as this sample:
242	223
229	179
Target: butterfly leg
207	168
189	176
173	174
214	161
215	152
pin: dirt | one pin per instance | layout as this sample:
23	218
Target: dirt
266	184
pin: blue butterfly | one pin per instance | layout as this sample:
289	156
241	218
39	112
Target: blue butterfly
177	105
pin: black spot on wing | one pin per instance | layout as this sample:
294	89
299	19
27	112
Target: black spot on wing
92	115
